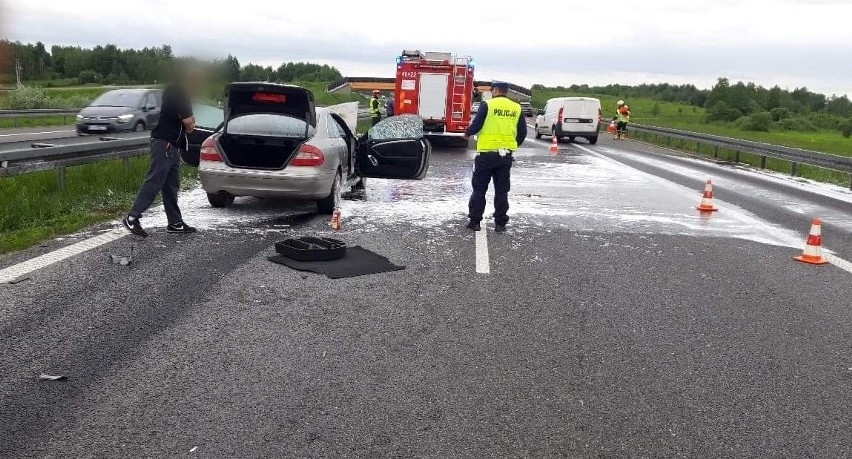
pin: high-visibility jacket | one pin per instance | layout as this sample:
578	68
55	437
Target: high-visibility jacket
375	108
500	129
623	114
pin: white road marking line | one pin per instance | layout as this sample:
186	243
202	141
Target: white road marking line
36	133
483	264
21	269
833	259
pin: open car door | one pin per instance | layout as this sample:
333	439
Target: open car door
395	149
208	120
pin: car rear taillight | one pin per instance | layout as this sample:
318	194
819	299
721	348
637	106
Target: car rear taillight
560	114
308	155
209	150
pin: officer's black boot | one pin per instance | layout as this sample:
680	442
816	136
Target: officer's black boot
474	226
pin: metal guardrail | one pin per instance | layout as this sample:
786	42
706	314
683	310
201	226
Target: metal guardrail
796	156
44	156
16	115
348	80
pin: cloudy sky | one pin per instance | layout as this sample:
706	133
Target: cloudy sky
786	42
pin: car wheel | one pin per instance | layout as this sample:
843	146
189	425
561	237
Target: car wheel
571	138
537	132
220	200
327	205
593	140
139	127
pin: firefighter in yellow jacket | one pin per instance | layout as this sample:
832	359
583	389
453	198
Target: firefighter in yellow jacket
500	128
375	107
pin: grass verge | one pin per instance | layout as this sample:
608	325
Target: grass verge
37	121
35	209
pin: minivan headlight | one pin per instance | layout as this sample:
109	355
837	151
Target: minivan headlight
79	116
125	118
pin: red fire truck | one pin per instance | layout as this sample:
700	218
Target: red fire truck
438	87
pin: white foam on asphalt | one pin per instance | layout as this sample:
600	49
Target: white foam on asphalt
20	270
483	263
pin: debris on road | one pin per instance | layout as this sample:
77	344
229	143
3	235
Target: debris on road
121	259
47	377
19	280
193	449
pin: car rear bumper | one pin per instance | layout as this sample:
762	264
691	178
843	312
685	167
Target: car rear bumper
308	183
575	129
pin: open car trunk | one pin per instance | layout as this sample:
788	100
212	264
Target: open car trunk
265	124
258	152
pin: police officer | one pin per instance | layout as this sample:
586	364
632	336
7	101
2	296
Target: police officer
501	129
375	107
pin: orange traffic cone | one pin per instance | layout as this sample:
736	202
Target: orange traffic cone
813	248
707	200
554	145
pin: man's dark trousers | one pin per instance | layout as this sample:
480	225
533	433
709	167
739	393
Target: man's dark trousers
489	166
376	120
163	175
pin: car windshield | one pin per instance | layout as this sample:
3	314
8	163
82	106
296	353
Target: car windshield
398	127
118	99
269	125
207	116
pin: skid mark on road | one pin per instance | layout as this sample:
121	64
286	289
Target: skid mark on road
22	269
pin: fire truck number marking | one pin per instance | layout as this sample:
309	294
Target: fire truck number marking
409	74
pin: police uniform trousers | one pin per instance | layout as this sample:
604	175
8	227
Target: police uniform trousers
491	166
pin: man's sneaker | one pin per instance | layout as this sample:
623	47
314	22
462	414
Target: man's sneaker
474	226
180	228
500	228
132	224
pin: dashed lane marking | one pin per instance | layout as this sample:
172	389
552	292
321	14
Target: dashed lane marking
14	272
483	263
37	133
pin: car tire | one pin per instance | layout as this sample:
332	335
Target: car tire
593	140
537	132
571	138
220	200
139	126
327	205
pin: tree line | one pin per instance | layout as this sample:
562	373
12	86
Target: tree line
749	106
71	65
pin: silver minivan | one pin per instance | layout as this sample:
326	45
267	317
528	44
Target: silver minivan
121	110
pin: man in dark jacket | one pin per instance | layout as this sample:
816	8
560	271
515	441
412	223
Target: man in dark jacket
168	140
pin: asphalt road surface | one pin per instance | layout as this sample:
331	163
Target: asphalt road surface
612	320
21	138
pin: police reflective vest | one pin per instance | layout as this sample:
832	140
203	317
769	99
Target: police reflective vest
623	114
500	129
375	110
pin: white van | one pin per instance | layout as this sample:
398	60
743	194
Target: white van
570	117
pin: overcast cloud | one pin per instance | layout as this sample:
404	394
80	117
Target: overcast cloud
786	42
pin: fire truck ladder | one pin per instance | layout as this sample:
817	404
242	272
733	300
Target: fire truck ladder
460	97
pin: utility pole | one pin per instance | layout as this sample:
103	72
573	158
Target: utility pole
18	72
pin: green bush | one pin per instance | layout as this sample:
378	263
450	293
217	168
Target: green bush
89	76
796	124
721	111
825	120
27	98
760	122
846	128
779	114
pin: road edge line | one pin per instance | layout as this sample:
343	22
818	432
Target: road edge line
16	271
